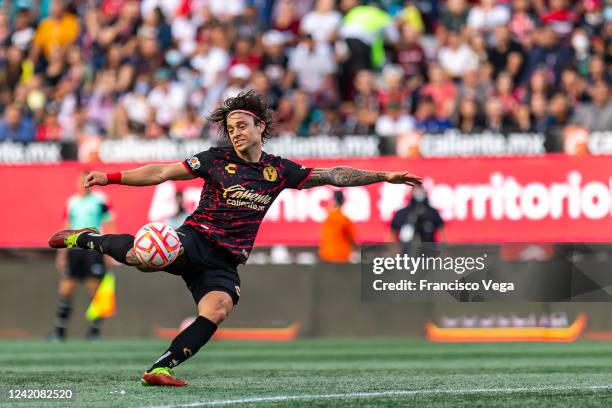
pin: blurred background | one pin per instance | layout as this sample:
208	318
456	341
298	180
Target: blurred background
502	106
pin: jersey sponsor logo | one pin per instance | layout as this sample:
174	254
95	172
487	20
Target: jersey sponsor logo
194	163
231	168
270	173
239	196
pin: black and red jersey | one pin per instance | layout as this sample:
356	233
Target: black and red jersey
237	194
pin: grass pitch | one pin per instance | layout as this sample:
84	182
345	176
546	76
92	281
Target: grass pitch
321	373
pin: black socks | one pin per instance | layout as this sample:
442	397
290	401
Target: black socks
187	343
115	245
64	307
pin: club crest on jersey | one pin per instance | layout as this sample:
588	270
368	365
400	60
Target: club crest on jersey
231	168
194	163
270	173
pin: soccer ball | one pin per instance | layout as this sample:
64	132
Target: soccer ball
157	245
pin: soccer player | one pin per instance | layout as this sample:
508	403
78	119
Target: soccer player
241	182
84	208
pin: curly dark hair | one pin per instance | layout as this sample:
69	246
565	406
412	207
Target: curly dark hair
250	101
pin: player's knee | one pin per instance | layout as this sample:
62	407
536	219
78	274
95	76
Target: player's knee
216	316
219	312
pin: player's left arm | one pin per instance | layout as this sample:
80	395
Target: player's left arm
348	177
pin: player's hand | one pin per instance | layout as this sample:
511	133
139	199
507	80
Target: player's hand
95	178
403	178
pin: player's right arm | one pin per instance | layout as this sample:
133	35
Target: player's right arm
143	176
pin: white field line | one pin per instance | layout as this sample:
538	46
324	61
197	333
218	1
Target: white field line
374	394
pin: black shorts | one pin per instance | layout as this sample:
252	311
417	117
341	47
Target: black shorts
84	264
205	267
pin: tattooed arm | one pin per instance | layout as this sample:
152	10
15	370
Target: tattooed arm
348	176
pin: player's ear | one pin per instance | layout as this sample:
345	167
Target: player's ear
261	126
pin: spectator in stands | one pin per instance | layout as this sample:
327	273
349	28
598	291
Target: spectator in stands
539	113
245	54
50	130
523	21
504	91
15	126
560	114
473	87
287	21
364	29
454	16
514	66
10	73
365	93
441	90
23	33
274	61
581	48
495	119
499	54
597	115
166	100
548	54
409	16
559	17
249	24
101	104
238	78
430	13
521	116
487	15
311	66
261	83
394	121
337	233
55	67
469	118
456	57
189	126
539	84
323	22
392	89
360	122
294	114
598	71
331	122
426	120
573	86
410	55
212	60
59	30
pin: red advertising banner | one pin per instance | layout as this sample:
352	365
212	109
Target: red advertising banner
539	199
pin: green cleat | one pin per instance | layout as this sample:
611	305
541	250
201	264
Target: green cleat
68	238
161	376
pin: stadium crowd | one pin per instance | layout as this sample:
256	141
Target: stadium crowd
154	68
